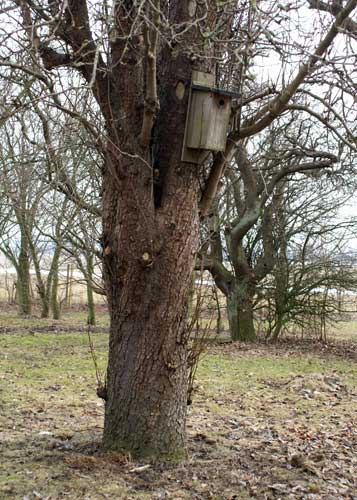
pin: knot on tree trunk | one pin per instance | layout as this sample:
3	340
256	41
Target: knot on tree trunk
147	259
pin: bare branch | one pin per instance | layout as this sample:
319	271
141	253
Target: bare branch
151	33
277	105
335	8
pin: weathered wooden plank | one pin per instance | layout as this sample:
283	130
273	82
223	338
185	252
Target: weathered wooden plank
215	128
207	119
204	79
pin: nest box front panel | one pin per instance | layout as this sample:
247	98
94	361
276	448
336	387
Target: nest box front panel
208	121
208	117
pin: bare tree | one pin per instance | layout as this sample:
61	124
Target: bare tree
310	265
240	244
21	193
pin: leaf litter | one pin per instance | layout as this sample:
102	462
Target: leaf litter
255	430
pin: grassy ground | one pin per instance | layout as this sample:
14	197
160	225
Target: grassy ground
267	422
73	320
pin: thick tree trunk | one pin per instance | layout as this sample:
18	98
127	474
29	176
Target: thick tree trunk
240	313
148	285
150	239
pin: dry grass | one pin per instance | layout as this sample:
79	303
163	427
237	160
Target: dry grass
266	423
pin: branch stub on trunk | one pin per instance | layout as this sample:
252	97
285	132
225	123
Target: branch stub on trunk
147	259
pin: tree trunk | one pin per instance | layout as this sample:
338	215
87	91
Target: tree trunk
23	277
240	313
90	293
55	306
148	287
45	309
41	286
150	238
279	323
69	284
43	292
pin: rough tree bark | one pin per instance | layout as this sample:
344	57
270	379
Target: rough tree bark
146	406
148	285
240	311
150	241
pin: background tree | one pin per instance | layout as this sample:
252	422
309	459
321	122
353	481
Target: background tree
310	267
241	248
82	242
21	195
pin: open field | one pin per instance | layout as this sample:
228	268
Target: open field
267	422
74	320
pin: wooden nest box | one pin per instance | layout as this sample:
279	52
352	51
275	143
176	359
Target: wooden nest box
208	117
